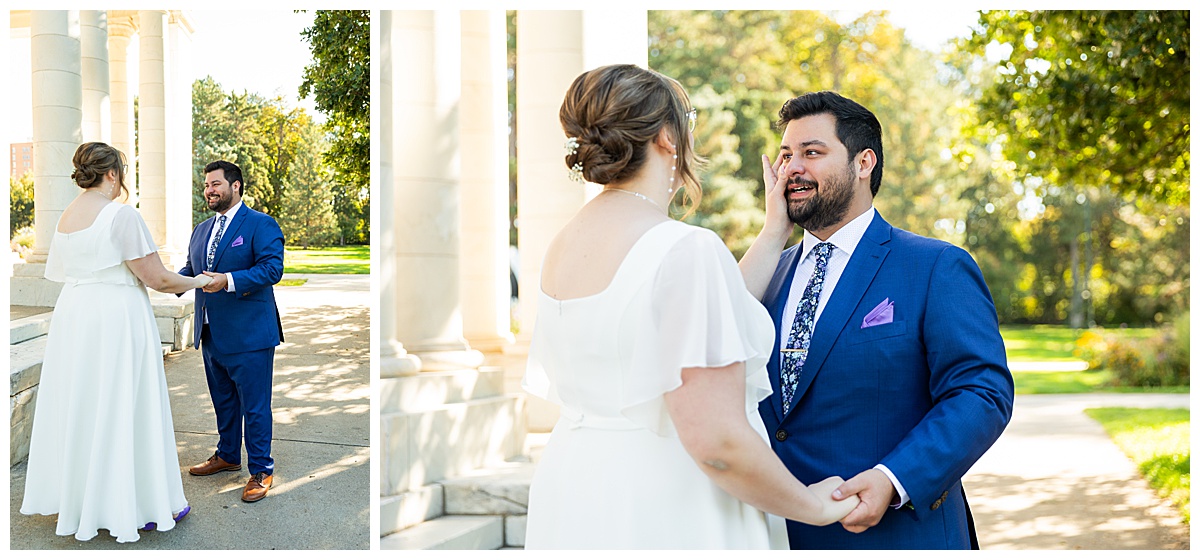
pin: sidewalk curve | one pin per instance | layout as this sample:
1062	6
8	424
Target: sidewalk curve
1055	481
321	444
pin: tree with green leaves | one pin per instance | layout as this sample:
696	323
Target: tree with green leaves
339	81
1091	98
1085	115
20	202
308	218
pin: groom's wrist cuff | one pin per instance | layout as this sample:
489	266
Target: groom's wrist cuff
229	287
895	483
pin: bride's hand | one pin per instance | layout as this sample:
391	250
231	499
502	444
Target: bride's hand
775	185
834	510
202	280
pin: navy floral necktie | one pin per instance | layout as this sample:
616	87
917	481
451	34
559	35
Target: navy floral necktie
212	249
806	313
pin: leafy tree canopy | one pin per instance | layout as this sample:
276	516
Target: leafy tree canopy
1091	98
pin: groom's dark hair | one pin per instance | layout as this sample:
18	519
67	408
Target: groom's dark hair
857	128
233	174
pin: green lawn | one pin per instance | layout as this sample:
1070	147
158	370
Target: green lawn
1052	343
1158	440
351	259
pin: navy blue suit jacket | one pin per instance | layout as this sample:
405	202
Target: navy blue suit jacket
251	250
926	394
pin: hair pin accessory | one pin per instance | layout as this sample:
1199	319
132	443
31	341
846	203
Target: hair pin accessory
576	173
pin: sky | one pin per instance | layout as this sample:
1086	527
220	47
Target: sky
258	51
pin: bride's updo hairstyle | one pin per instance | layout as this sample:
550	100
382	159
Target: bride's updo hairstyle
95	159
615	112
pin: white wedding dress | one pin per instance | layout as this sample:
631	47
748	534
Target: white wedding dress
614	474
102	453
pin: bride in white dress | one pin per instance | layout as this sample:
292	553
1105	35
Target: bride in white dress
649	341
102	453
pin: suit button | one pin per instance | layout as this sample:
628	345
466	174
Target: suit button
781	435
939	501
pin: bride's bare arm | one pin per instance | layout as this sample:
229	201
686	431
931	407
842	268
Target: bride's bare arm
150	270
758	264
709	412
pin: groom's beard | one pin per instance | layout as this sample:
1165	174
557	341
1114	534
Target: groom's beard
827	207
221	203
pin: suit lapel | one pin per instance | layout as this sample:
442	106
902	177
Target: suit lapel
230	233
200	243
856	278
780	291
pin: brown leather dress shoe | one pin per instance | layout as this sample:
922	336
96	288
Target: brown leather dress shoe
256	487
213	465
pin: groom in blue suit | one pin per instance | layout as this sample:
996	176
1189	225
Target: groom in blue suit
237	324
890	370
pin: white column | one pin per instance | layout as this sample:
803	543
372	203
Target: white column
178	136
120	32
549	57
484	245
152	136
394	360
426	163
97	119
553	48
57	117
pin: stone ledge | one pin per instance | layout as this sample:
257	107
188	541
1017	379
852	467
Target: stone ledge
25	364
397	513
169	305
21	424
500	490
514	531
454	532
28	328
430	391
449	441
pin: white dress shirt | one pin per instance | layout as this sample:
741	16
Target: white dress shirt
845	241
229	214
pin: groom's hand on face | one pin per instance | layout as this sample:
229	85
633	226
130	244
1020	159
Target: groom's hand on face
218	282
875	492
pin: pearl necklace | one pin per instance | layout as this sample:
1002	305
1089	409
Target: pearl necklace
637	194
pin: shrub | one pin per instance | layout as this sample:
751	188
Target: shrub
1091	347
22	242
1162	360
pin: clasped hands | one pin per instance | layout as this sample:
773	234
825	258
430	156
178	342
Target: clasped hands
216	281
874	492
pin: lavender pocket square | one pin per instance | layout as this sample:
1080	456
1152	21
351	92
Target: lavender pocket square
881	315
239	241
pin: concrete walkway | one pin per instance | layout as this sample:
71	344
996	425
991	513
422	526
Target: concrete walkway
1056	481
321	445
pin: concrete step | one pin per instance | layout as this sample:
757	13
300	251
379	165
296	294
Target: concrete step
426	447
400	512
25	364
453	532
429	391
500	490
28	328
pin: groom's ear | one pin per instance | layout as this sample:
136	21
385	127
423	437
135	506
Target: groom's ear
865	163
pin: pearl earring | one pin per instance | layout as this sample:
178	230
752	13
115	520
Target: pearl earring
674	160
